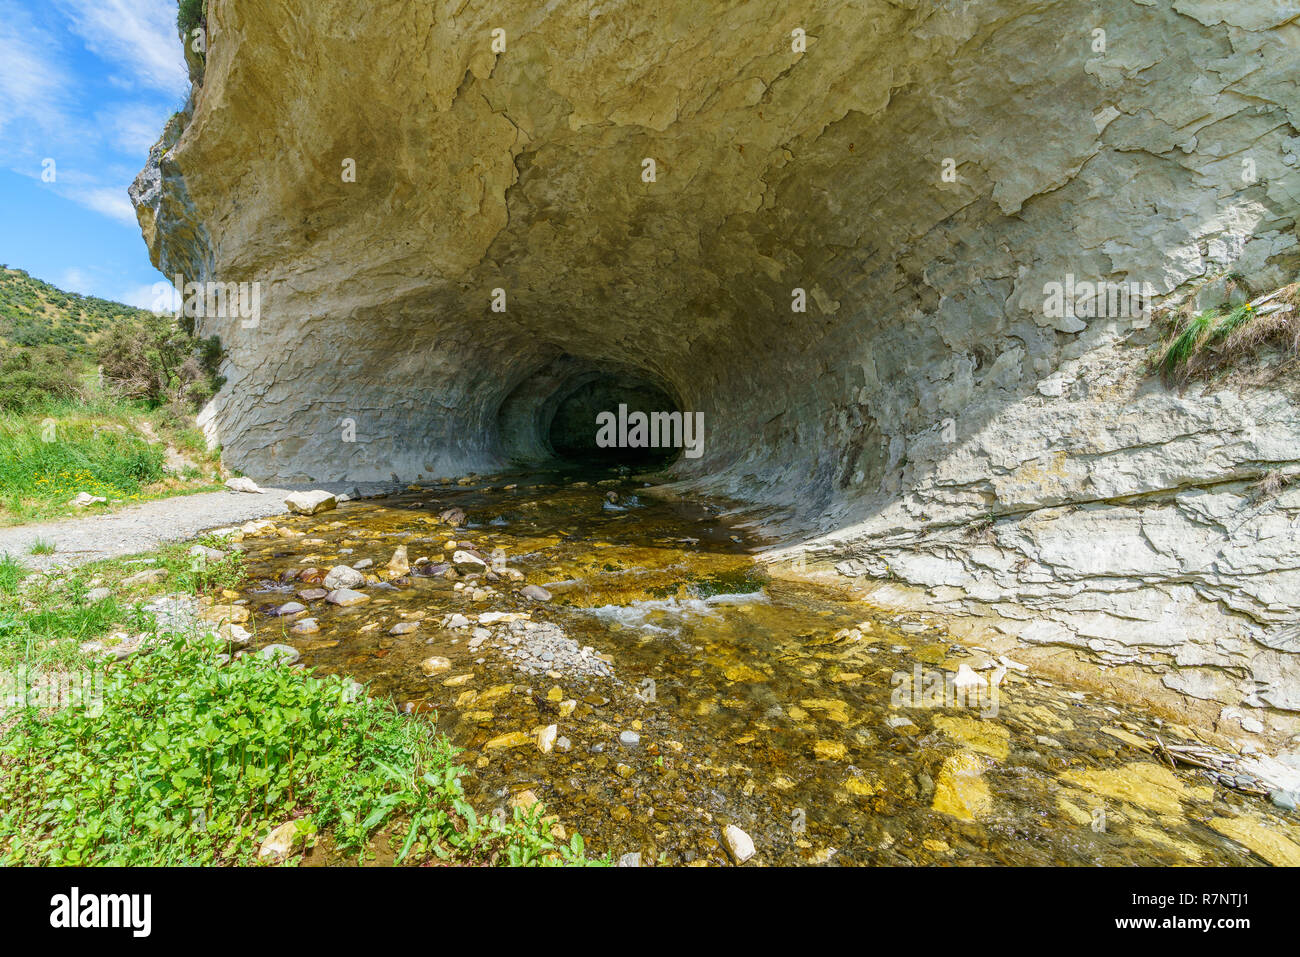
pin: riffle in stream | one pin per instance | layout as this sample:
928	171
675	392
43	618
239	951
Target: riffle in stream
669	688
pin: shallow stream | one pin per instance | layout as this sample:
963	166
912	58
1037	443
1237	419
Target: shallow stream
827	730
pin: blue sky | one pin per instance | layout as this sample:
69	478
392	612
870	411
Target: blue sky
88	84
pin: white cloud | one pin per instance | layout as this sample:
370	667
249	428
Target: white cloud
138	35
159	297
34	90
134	127
75	280
53	103
112	201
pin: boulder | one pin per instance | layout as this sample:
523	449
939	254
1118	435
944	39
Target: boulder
738	844
346	597
310	503
281	654
240	483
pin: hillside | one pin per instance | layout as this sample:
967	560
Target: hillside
36	313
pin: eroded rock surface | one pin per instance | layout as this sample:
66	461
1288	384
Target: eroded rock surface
925	418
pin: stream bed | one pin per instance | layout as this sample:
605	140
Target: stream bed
668	688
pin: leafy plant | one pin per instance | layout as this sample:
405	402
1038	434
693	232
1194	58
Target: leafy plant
12	572
189	15
160	362
32	377
191	761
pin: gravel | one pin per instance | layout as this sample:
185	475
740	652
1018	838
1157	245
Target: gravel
139	528
538	647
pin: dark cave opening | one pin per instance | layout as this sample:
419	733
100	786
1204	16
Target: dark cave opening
613	420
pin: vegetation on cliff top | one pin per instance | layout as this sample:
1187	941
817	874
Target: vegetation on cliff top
35	314
53	337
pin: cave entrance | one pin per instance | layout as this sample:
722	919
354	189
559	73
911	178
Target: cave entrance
611	420
553	416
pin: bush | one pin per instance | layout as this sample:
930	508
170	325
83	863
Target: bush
189	16
30	378
157	361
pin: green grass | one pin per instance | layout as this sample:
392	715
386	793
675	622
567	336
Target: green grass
53	452
185	573
1230	338
1210	329
1187	343
41	546
91	393
189	760
46	461
44	622
12	572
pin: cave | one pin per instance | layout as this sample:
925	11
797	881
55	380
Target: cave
554	418
576	431
839	253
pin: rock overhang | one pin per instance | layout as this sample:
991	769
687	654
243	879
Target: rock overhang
910	174
840	261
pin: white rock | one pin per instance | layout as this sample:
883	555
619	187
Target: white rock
241	483
309	503
281	654
469	562
147	577
341	576
546	738
280	842
434	664
739	844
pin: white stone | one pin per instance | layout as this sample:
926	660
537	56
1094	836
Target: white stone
310	503
739	844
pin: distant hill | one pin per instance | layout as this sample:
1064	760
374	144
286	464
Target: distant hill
35	313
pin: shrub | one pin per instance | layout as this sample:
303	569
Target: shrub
33	377
157	361
189	16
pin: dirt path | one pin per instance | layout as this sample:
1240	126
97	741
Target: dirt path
139	528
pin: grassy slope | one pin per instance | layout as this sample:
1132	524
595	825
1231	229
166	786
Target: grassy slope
35	313
99	446
99	443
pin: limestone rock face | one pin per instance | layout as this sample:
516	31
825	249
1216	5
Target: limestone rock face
914	175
